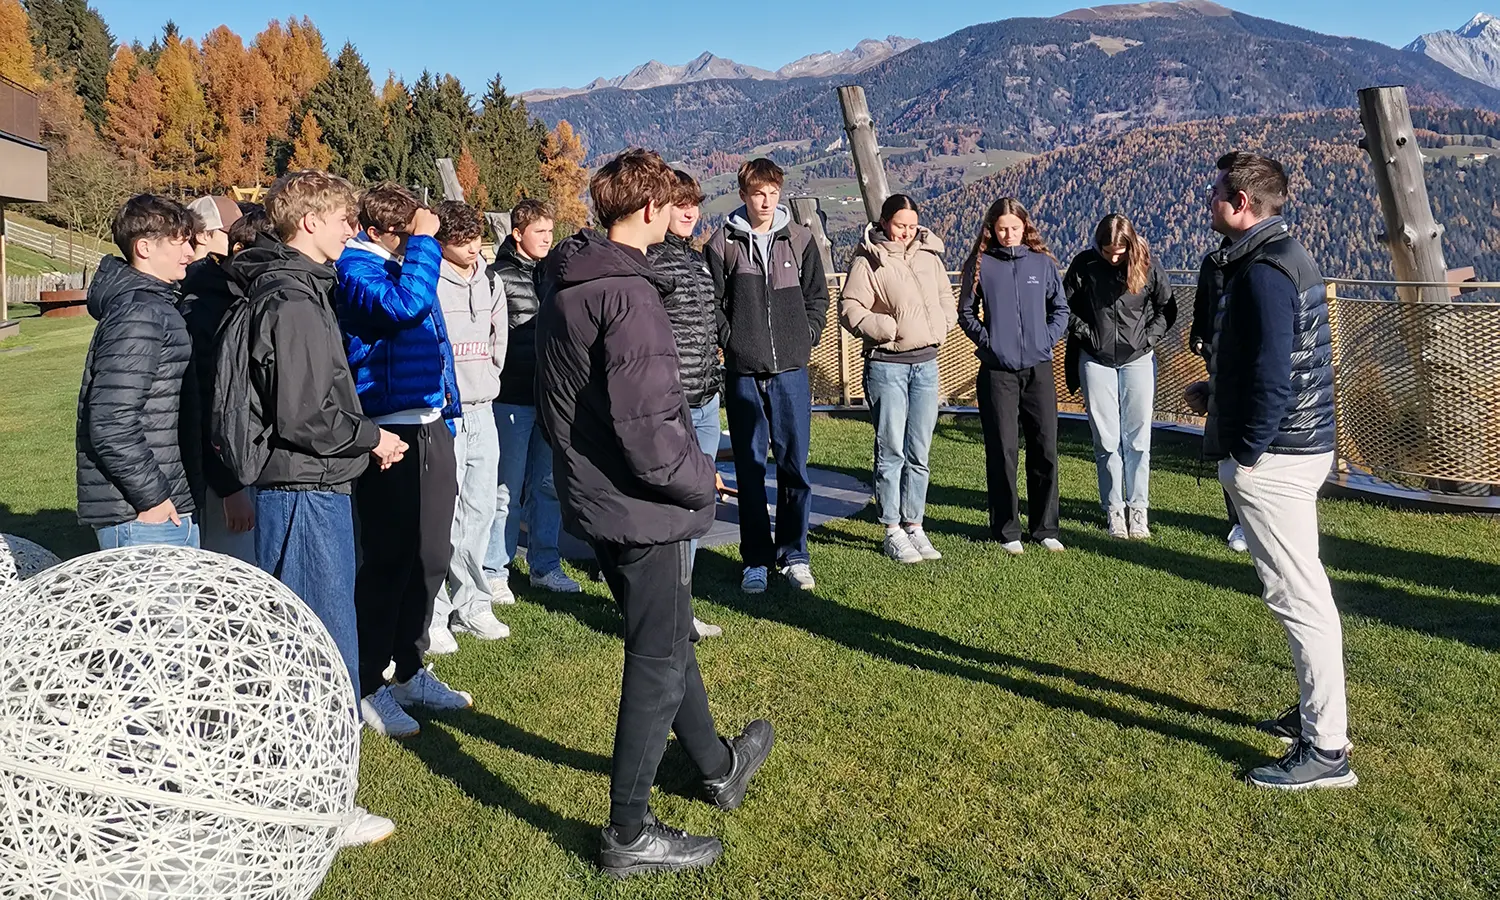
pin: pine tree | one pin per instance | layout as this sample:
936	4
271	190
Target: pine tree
566	177
132	108
348	116
17	57
182	155
393	149
467	171
238	90
293	52
442	116
74	38
507	148
308	150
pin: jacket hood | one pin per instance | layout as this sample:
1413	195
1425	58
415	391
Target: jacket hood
879	249
1269	230
590	256
114	279
510	252
270	255
739	220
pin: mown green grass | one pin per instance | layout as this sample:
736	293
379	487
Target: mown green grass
1050	726
21	261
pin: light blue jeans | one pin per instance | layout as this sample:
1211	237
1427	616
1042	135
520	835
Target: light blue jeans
476	450
141	534
1120	401
525	491
706	424
903	402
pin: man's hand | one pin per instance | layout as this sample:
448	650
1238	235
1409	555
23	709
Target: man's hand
390	449
1196	397
424	222
161	512
239	512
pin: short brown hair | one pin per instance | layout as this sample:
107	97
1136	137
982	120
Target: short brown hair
1263	180
307	193
688	191
458	222
758	173
628	182
529	212
248	228
149	217
387	207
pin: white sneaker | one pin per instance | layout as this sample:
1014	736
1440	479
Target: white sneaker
1053	544
920	541
384	715
1139	530
1014	548
898	546
427	690
754	581
556	581
800	575
1237	541
366	828
1118	526
706	630
481	623
500	591
440	641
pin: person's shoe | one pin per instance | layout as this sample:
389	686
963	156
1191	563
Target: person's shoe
658	848
1305	768
1237	541
754	581
500	591
898	546
384	715
427	690
1139	530
747	753
366	828
1286	727
1014	548
440	641
800	575
923	545
1117	525
1053	544
556	581
706	630
482	624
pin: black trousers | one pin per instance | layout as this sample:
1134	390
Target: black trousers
405	537
662	690
1027	398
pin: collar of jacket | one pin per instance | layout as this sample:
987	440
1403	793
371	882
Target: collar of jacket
360	242
878	248
1020	251
114	279
510	252
590	256
1272	229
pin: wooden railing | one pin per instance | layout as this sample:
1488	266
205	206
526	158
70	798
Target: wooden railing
19	113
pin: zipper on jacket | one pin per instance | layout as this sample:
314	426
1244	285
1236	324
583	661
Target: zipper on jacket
770	325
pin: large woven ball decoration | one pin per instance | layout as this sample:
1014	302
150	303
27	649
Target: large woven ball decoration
20	559
173	723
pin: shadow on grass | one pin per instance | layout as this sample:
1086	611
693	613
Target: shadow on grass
56	529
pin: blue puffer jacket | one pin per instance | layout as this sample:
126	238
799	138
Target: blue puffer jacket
1015	312
393	329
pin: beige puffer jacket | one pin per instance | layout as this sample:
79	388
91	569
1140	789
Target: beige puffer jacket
898	298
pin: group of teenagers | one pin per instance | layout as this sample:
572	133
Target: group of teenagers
339	389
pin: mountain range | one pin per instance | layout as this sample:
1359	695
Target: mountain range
1472	51
709	67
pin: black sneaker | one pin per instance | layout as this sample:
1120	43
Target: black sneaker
1287	726
1305	768
659	848
747	754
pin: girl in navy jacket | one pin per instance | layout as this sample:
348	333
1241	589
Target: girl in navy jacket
1013	308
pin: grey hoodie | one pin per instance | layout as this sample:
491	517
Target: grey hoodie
739	220
475	313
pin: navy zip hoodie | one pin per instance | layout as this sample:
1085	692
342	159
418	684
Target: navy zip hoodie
1015	311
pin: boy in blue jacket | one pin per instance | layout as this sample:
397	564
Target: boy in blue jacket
403	370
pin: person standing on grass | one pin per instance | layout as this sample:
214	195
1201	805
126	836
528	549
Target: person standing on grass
1121	304
690	307
1271	426
139	440
1201	341
772	308
898	299
634	482
473	307
1012	307
398	349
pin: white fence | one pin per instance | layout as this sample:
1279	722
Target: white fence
81	251
28	288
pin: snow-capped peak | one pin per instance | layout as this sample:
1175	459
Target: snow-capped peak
1476	26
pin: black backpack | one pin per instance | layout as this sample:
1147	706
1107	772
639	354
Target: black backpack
238	426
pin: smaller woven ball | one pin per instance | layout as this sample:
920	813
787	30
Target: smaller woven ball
20	559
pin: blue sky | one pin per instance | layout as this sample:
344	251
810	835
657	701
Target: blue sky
554	44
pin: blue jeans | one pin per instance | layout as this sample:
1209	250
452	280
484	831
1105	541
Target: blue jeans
141	534
1119	400
904	405
306	540
706	425
771	412
476	452
525	491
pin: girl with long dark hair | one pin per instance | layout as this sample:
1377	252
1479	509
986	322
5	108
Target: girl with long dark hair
1012	308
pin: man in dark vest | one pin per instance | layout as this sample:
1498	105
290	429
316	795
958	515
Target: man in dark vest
1270	425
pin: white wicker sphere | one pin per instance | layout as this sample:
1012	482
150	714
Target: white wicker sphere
20	559
173	723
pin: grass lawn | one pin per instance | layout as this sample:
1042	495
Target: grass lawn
21	261
1075	725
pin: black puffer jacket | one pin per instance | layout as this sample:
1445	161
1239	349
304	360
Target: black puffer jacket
627	463
207	294
518	274
691	307
1114	326
320	437
139	439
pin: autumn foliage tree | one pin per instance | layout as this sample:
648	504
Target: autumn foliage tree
17	58
563	171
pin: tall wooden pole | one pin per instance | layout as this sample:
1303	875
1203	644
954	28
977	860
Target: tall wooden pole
1415	238
865	148
4	281
808	211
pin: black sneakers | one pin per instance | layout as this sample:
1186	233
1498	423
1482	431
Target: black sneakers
747	753
1306	768
659	848
1287	726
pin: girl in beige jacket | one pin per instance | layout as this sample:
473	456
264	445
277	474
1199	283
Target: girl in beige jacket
899	301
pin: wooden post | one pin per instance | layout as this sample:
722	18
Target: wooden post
1414	237
452	190
4	279
865	149
807	211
